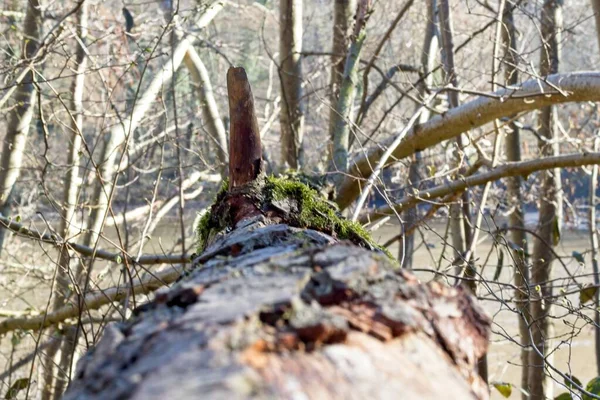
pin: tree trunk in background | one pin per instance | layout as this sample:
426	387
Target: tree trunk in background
117	142
291	115
56	377
343	13
515	198
428	57
596	8
459	211
213	124
117	139
343	109
210	110
594	242
550	216
593	228
20	116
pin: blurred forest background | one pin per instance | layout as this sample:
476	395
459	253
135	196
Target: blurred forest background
462	133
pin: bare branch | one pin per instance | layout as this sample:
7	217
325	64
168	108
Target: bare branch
522	168
580	86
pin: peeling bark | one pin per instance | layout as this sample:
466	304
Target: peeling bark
273	311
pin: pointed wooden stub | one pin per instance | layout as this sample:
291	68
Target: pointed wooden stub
245	153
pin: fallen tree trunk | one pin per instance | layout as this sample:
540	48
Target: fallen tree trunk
288	299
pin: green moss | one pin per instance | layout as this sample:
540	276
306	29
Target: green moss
316	213
310	210
210	223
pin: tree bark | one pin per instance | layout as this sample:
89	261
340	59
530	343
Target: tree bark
21	112
286	312
550	217
596	9
460	209
594	235
343	13
594	243
273	308
343	108
291	116
428	57
515	197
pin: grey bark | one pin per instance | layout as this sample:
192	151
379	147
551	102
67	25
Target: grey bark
596	9
595	241
291	115
550	215
343	13
428	57
514	186
21	113
210	111
343	109
274	311
460	212
592	216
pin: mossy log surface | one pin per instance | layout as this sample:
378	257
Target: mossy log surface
273	310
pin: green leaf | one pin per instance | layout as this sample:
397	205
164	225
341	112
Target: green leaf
574	379
578	256
431	170
500	265
593	387
587	293
18	218
16	338
555	231
16	387
504	388
563	396
118	259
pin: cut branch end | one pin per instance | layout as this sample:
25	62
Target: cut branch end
245	152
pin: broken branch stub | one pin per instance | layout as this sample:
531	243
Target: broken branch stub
245	153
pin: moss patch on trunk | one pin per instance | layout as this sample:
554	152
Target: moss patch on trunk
295	203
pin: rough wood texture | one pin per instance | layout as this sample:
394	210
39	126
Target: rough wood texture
273	311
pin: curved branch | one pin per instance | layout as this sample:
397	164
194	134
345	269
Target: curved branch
522	168
531	95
